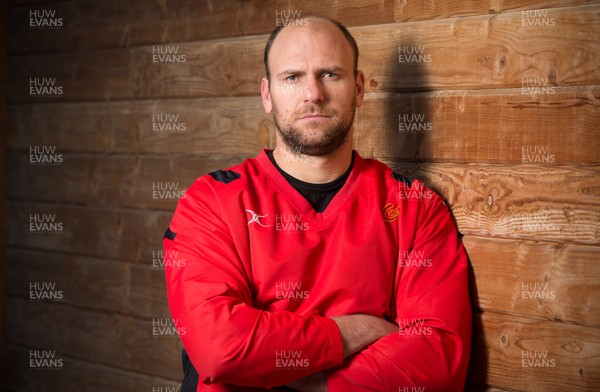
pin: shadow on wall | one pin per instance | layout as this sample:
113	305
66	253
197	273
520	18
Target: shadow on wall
410	112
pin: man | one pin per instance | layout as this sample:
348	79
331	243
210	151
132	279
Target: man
308	267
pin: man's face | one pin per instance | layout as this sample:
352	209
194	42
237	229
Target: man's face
313	92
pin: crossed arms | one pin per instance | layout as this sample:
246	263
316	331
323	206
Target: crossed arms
231	342
358	331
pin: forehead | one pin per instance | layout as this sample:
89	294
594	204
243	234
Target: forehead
309	43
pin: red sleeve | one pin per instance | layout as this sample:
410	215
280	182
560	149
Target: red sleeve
210	299
431	350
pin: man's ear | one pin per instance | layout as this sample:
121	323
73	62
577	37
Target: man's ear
360	88
265	94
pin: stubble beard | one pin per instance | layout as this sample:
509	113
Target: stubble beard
329	142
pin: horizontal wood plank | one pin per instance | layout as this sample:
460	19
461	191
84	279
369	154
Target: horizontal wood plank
494	126
169	127
506	277
138	182
538	279
120	287
85	282
114	233
210	68
104	338
527	202
71	332
102	24
78	375
483	52
474	53
96	75
466	53
420	10
149	288
108	24
157	183
524	354
501	343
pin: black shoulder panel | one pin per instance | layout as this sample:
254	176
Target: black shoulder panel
225	176
169	234
401	178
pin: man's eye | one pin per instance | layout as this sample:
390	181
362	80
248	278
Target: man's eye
291	79
329	75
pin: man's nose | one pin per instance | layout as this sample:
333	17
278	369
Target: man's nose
313	91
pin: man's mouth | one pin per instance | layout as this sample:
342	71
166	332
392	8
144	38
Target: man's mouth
314	116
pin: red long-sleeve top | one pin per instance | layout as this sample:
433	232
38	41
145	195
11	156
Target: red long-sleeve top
255	275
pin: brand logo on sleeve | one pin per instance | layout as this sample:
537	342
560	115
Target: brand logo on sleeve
390	213
256	218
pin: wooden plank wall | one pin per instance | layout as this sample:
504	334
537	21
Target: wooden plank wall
505	99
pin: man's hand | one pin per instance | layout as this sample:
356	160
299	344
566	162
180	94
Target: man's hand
360	330
314	383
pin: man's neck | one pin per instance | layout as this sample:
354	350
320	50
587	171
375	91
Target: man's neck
314	170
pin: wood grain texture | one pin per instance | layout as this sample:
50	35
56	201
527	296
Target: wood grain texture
483	52
500	270
77	374
108	232
211	68
101	24
102	285
470	53
96	75
109	339
493	126
536	279
483	198
176	128
410	10
506	277
72	332
528	202
502	343
572	352
137	182
148	287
